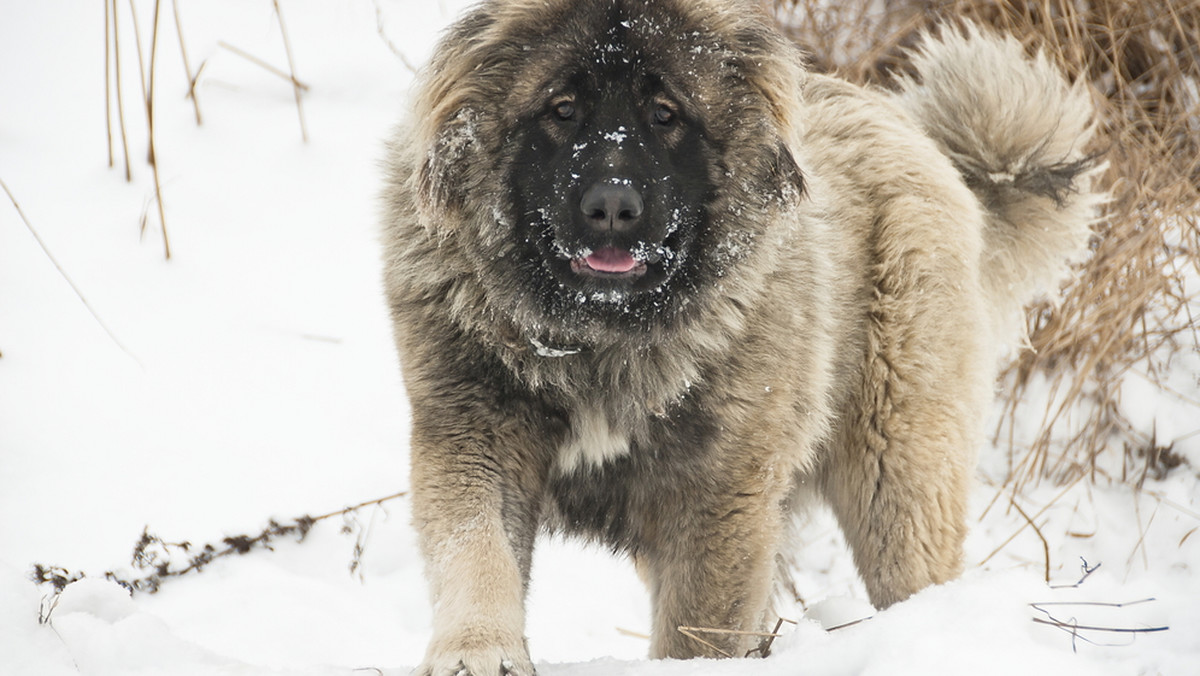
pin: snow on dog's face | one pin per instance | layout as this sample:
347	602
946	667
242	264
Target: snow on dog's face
614	163
611	181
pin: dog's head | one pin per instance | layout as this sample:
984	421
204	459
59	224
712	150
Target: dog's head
608	164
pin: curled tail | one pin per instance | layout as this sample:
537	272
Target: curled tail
1017	131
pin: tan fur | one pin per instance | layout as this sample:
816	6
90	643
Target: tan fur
843	340
1000	145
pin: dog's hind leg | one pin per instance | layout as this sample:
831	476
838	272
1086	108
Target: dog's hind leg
898	467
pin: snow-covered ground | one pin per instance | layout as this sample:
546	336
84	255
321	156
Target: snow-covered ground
258	381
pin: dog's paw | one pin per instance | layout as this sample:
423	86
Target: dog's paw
461	660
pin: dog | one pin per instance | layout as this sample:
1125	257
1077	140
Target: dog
653	283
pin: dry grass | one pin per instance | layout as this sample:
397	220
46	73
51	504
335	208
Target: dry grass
148	81
156	560
62	272
1128	309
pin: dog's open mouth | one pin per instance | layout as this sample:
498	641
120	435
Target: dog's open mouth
609	262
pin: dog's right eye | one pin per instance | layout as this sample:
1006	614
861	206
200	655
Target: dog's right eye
564	110
664	115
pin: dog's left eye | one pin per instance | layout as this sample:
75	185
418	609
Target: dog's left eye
664	115
564	110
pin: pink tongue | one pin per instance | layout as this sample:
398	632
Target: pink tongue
611	259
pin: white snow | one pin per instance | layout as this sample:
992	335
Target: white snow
260	382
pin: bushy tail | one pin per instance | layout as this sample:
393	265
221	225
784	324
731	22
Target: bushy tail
1016	130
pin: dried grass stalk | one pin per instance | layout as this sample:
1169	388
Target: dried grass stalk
63	273
108	79
187	67
116	50
261	64
158	196
287	48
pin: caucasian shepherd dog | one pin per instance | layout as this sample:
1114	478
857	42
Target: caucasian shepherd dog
653	283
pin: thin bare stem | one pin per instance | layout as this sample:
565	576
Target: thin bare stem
845	625
137	35
1081	627
262	64
108	21
734	632
1040	605
1041	511
63	273
120	95
353	508
690	633
387	41
1045	544
287	48
158	195
1087	572
764	647
1073	627
154	556
187	67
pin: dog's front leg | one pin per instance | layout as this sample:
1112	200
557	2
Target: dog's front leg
711	572
475	505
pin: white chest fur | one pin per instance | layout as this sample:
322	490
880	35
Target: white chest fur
592	442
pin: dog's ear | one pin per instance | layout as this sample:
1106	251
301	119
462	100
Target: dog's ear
449	111
450	150
786	175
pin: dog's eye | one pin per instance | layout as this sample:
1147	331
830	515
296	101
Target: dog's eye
564	110
664	115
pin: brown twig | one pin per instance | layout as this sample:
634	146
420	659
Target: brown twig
1041	511
196	77
116	39
388	42
1081	627
158	194
764	646
187	68
144	220
1087	572
354	508
63	273
108	21
1143	529
851	623
262	64
1045	544
287	48
1073	627
692	633
153	555
137	42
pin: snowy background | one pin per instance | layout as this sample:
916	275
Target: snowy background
257	381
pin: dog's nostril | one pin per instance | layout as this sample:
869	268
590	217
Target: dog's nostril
611	206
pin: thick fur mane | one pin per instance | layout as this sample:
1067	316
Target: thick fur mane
441	166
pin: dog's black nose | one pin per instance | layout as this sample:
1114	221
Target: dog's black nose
611	206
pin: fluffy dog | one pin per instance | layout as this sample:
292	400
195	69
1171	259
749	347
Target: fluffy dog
653	283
